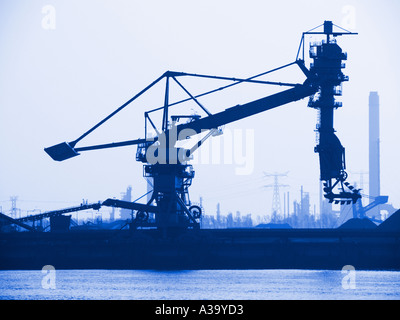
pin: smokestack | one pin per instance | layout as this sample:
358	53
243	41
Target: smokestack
374	156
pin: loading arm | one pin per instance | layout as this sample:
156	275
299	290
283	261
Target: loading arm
247	110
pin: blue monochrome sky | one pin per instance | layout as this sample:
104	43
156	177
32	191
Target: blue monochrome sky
65	65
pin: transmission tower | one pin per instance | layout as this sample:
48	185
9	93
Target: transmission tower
14	207
276	199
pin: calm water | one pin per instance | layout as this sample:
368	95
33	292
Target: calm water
199	285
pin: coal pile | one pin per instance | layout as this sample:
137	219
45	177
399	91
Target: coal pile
392	223
356	223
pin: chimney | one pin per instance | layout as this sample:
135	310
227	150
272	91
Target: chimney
374	156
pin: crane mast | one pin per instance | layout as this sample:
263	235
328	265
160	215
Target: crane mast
168	166
326	73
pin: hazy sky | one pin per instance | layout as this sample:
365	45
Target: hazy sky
67	64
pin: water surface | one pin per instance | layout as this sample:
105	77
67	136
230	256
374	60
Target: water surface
199	285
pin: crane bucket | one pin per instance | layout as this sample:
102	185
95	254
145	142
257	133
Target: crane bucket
61	152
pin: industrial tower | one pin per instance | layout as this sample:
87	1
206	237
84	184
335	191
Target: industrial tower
374	151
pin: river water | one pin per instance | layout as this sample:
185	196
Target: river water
199	285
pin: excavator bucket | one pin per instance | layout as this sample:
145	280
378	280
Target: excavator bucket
61	151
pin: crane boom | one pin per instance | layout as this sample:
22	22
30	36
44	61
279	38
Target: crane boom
67	150
249	109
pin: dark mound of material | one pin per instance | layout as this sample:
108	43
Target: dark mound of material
392	223
356	223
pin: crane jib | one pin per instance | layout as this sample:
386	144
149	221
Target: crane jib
249	109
